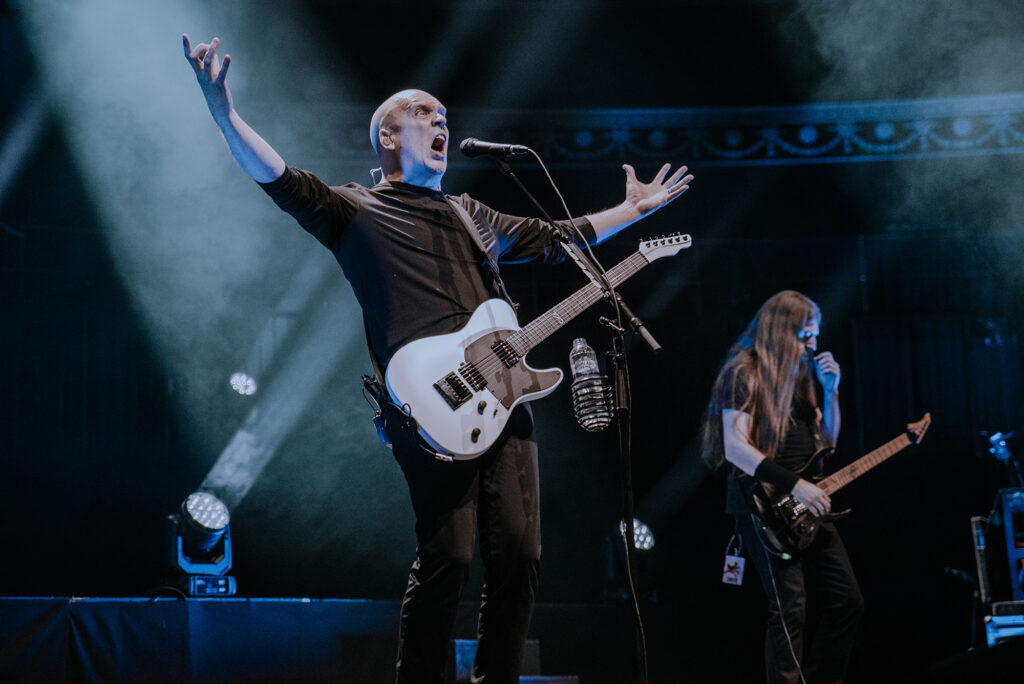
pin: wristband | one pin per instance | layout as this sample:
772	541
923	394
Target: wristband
771	472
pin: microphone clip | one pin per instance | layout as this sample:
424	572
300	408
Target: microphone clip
609	323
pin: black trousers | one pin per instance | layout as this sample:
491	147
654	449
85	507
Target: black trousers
818	581
497	495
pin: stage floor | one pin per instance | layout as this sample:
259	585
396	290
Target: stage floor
90	639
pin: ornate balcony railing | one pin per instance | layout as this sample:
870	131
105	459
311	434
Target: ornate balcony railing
724	136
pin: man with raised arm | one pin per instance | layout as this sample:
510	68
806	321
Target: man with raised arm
406	249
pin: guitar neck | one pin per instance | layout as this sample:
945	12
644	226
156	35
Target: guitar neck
554	318
845	476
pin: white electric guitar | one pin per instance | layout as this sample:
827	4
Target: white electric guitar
461	387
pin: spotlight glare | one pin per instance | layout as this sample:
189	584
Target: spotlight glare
643	538
243	384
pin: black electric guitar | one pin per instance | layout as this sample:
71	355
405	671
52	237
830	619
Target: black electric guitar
786	526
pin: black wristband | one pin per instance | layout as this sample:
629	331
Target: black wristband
771	472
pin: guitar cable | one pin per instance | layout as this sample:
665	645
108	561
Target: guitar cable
778	601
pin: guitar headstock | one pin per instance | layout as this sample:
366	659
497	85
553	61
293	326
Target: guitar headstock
915	431
664	246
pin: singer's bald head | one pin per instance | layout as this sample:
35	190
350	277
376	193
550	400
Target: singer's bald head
409	133
389	114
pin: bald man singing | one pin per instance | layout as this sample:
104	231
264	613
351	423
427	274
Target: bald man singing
417	271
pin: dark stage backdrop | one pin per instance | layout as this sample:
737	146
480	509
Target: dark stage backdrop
102	435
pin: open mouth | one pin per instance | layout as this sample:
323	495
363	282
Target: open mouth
439	142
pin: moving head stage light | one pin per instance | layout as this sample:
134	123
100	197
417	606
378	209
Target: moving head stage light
200	546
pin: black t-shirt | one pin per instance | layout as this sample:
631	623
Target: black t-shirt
412	264
798	445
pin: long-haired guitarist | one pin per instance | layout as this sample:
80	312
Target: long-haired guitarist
418	262
774	405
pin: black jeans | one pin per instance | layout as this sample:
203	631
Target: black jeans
496	494
819	578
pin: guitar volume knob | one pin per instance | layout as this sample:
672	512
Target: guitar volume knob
474	435
481	406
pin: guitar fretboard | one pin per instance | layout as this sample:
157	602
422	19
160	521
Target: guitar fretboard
845	476
554	318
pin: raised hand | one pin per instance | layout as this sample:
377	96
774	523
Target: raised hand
211	75
646	197
828	371
256	157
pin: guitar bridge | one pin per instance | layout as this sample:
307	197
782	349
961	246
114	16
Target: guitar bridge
453	390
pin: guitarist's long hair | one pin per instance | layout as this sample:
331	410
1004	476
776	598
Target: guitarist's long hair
762	374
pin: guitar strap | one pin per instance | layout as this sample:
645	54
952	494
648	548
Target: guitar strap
383	407
486	242
378	369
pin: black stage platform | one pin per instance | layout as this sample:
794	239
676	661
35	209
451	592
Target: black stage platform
76	639
264	640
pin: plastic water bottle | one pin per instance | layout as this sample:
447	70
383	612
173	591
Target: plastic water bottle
591	394
583	360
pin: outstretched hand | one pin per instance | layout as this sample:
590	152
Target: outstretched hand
647	197
211	75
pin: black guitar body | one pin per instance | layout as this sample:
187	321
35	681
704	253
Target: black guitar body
784	524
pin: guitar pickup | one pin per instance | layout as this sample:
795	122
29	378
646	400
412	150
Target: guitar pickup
453	390
505	353
473	376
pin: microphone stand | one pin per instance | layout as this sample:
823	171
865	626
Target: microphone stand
590	269
623	399
596	274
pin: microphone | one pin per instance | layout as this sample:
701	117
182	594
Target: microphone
591	392
471	147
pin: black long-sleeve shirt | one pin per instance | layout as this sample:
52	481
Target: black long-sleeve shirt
412	264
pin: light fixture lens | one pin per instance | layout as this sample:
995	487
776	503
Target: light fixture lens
243	384
643	538
207	511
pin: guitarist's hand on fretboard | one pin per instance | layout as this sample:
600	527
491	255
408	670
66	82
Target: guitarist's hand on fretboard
812	496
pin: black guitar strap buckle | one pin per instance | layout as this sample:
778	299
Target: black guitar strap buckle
385	411
376	397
